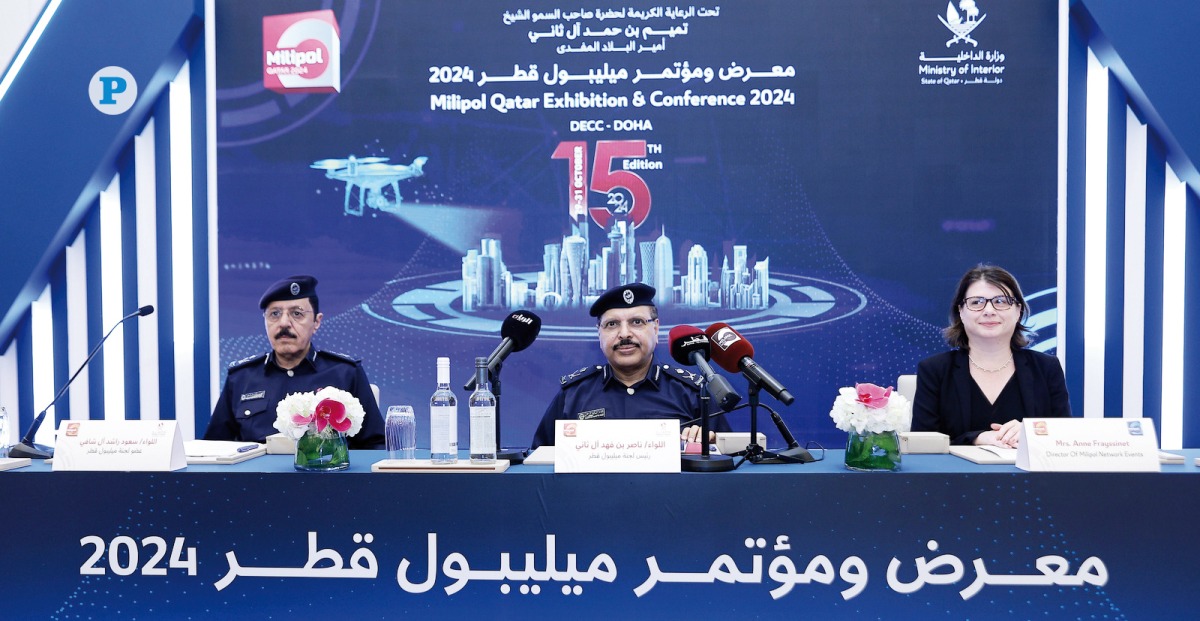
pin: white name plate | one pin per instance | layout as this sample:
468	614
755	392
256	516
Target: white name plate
1088	445
122	445
643	445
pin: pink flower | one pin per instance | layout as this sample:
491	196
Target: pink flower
873	396
331	413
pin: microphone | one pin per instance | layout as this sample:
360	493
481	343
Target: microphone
518	331
733	352
27	447
793	453
689	346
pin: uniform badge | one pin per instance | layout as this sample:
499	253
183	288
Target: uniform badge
250	396
574	374
627	295
295	288
591	414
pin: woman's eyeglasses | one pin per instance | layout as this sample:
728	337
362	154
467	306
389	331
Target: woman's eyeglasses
1000	302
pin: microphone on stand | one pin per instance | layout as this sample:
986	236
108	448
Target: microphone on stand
27	447
734	353
689	346
518	331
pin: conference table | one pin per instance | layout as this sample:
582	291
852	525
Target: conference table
941	538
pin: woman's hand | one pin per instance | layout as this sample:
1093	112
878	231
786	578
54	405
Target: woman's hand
1007	435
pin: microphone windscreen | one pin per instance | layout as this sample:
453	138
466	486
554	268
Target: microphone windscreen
728	347
685	340
145	310
522	328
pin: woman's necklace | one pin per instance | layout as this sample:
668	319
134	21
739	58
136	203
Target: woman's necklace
987	370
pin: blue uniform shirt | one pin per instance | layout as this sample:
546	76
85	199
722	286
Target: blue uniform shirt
246	409
594	392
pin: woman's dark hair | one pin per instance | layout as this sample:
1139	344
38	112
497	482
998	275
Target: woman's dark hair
956	334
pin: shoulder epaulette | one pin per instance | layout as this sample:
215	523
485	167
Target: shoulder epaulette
337	356
245	362
575	376
687	378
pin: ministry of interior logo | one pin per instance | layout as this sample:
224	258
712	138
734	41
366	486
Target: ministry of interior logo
302	52
962	25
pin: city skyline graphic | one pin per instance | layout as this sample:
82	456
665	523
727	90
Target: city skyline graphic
571	277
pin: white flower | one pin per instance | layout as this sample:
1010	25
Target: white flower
851	416
295	413
291	412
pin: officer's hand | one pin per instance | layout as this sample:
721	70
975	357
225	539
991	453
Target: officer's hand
692	434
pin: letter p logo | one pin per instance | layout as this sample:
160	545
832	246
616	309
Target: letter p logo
111	86
112	90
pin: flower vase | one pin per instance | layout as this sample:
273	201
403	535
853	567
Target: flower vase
870	452
323	451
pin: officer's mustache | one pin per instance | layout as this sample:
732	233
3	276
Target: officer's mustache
624	342
285	332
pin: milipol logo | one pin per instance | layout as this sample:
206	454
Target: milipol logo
112	90
302	52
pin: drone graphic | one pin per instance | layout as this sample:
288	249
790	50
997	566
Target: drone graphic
373	177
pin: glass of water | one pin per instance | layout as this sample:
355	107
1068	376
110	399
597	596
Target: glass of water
3	432
400	427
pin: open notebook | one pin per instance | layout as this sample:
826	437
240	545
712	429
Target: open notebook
221	451
985	454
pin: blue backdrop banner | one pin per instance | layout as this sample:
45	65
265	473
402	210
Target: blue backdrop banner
815	174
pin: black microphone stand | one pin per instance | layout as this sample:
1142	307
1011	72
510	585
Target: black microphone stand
27	447
704	462
756	454
513	455
753	453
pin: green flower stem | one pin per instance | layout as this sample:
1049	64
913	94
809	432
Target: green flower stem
873	451
326	450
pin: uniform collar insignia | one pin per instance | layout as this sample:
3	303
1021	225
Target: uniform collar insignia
692	377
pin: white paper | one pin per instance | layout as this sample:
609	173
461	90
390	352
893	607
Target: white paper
642	445
124	445
221	451
1088	445
985	454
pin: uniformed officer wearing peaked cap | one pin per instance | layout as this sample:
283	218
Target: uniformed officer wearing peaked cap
296	287
625	296
633	384
245	411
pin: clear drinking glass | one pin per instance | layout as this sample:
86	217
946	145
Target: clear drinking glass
3	432
400	428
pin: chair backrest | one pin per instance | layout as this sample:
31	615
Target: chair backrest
907	386
375	391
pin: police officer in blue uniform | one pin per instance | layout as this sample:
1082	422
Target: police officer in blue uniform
633	384
246	409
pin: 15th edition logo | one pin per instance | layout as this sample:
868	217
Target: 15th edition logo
302	52
112	90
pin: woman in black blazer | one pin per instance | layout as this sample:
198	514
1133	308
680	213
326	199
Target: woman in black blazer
979	392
